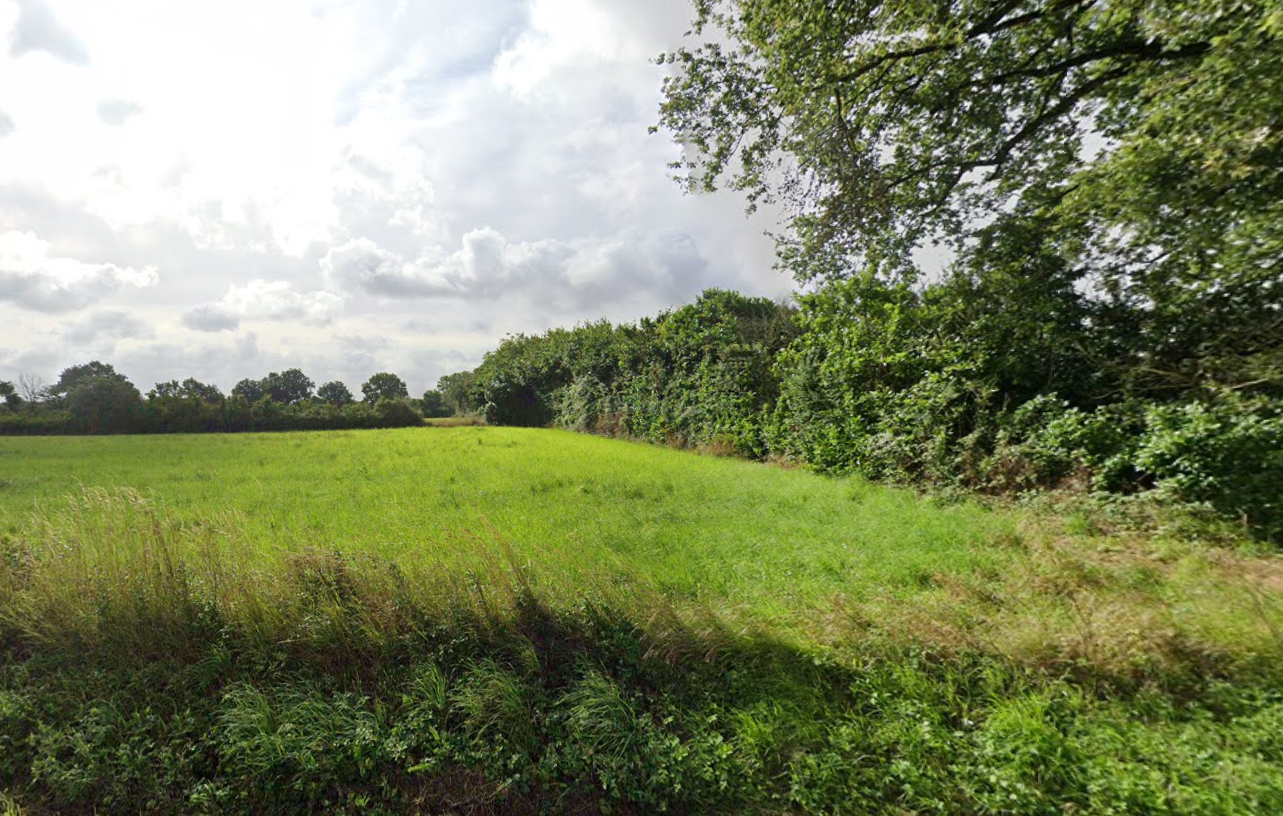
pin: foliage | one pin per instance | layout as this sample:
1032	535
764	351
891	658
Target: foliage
1105	183
433	404
12	399
188	389
700	375
106	402
1228	454
335	393
288	387
457	393
103	404
384	386
75	375
249	389
999	377
887	124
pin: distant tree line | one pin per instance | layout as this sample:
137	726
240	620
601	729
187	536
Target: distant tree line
96	399
991	379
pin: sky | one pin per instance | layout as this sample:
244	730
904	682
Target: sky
223	189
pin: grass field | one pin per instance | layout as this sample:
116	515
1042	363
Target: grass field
475	619
718	531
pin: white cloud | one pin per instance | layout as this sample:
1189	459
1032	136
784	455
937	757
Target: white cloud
265	300
107	325
434	173
32	278
488	266
37	29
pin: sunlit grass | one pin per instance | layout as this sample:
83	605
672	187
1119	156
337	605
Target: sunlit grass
490	620
719	532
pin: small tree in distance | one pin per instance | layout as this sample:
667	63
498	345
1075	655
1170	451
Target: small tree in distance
290	386
9	394
384	386
251	390
433	404
335	393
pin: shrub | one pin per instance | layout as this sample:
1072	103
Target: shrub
1227	454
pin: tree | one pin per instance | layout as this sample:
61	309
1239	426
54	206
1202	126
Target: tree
189	389
384	386
74	375
251	390
335	393
104	404
898	117
9	394
33	388
1142	138
457	392
289	387
433	404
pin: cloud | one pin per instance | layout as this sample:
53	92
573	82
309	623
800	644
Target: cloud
115	112
358	171
6	124
107	325
211	317
33	279
38	30
487	266
264	300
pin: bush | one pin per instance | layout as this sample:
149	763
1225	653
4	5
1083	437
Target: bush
1227	454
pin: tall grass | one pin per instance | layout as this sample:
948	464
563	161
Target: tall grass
173	650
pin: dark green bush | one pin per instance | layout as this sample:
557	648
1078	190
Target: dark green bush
1227	454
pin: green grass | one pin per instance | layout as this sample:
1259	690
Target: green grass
491	620
721	532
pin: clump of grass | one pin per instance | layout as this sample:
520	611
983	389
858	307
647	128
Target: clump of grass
1128	609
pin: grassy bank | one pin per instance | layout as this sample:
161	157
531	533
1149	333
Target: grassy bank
478	620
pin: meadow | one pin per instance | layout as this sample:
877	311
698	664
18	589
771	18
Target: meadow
481	619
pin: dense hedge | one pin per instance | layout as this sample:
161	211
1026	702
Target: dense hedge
996	381
188	415
700	375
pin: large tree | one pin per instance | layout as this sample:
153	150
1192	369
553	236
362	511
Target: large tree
104	404
1140	142
72	376
289	386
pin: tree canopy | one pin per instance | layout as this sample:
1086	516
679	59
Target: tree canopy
290	387
384	386
891	121
335	393
73	376
9	394
188	389
1136	144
